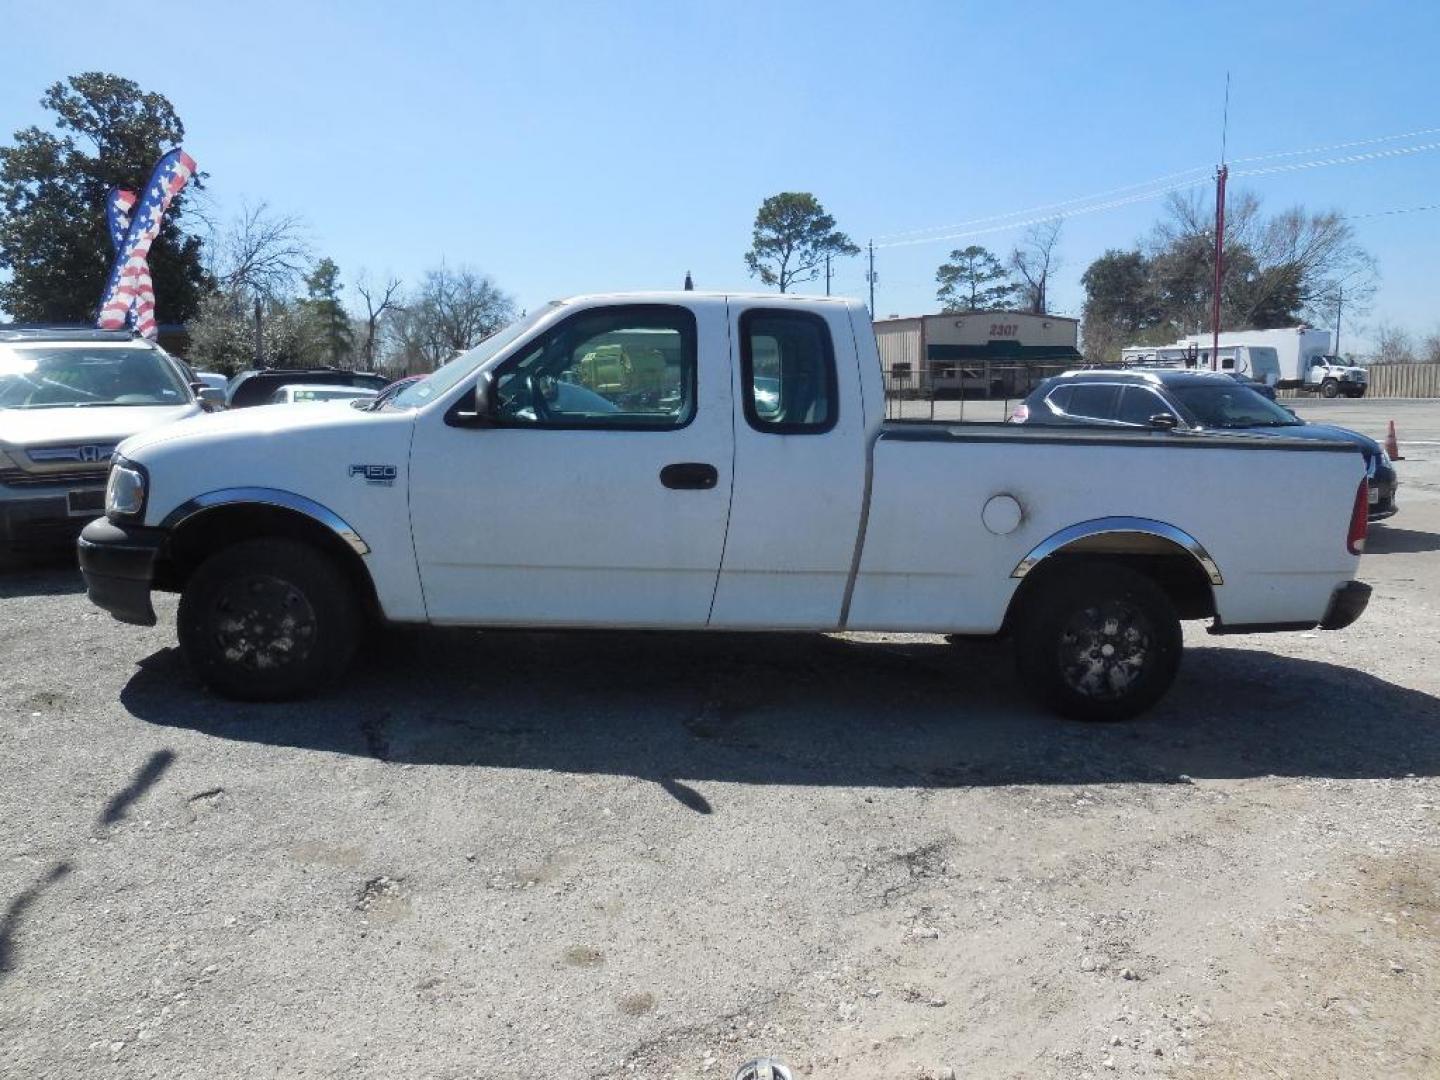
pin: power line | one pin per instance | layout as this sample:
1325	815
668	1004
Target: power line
1199	169
954	231
1009	225
1339	146
1374	155
1390	213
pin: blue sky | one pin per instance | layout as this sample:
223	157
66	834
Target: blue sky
566	147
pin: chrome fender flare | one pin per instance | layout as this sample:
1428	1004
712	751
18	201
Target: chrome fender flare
259	496
1101	526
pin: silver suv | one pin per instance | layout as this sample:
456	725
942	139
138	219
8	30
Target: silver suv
67	397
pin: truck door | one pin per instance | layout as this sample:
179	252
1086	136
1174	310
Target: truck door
800	458
600	496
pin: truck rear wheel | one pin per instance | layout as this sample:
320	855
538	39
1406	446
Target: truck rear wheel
1098	642
1330	388
267	620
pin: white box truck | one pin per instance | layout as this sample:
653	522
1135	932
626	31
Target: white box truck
1296	358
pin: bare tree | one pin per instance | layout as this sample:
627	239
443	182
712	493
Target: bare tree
1034	262
261	253
1430	347
1279	270
1393	345
452	311
379	300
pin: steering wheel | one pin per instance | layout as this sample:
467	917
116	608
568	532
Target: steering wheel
538	404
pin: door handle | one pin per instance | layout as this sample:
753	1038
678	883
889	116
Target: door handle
690	475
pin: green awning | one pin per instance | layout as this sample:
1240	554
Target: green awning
1010	352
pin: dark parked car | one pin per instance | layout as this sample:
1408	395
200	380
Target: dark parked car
1192	401
258	387
1265	390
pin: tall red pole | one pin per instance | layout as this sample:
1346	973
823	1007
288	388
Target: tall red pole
1220	175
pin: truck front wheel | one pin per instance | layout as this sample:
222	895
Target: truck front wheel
267	620
1330	388
1098	642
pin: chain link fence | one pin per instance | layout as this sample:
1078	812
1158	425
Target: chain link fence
984	390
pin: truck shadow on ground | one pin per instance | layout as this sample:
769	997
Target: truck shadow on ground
1389	540
805	709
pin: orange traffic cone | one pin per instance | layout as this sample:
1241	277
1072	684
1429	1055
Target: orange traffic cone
1392	445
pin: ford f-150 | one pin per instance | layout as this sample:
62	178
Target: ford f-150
713	462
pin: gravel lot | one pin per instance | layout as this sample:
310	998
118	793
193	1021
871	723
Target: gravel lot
585	855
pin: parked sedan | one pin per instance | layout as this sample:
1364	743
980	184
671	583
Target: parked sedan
1193	401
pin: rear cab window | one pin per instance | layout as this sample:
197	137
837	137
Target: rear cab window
788	379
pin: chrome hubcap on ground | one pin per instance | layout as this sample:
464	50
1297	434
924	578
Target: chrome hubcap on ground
1104	648
262	623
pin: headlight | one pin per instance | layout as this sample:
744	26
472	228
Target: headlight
125	490
1385	459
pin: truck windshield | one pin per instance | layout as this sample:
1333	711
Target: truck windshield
1232	407
61	377
432	386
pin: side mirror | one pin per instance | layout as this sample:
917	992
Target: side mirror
1163	422
474	408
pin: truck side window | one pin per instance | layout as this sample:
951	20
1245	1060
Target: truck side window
787	372
629	367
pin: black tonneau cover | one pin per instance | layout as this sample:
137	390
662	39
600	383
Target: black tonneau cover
1100	435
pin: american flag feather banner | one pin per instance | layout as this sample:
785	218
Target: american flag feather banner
129	294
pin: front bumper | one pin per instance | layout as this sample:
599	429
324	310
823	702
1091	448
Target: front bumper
1347	603
46	518
118	562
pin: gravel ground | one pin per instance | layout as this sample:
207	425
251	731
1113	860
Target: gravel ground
586	855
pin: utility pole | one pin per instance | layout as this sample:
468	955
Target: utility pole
1339	306
827	275
1221	174
870	277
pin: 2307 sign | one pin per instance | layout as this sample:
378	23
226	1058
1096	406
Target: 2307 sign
998	329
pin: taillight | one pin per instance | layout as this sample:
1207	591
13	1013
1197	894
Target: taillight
1020	414
1359	519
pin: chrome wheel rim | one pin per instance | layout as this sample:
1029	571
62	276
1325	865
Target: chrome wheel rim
262	623
1105	650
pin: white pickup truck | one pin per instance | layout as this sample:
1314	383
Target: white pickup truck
685	461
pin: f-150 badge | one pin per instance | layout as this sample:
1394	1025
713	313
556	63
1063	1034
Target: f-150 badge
375	474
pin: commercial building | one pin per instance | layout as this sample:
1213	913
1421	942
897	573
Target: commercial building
975	353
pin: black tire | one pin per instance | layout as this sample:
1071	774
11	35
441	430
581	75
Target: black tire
1072	617
1330	388
268	620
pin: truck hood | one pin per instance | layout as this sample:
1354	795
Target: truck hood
259	421
44	427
